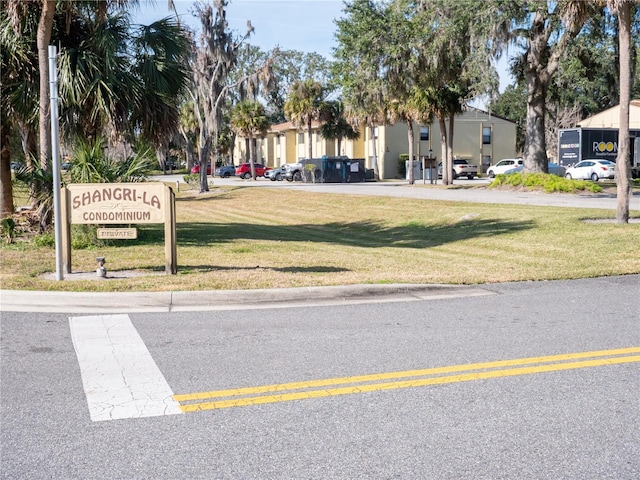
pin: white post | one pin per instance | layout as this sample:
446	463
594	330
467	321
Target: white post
53	94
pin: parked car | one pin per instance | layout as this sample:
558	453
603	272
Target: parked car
226	171
594	169
461	168
275	174
503	165
244	170
196	169
554	169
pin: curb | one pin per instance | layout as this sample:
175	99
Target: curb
111	302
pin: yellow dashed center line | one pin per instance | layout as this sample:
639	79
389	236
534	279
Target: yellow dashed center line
407	379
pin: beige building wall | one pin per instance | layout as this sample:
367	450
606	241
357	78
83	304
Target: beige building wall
392	141
611	118
285	143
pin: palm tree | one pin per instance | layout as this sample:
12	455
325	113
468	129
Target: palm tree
20	93
305	104
249	120
336	125
98	86
17	70
45	11
160	66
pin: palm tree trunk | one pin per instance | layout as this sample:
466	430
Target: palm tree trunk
374	153
6	187
446	168
45	25
623	166
310	133
410	138
252	157
43	38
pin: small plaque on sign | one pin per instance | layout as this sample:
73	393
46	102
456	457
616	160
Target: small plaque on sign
118	233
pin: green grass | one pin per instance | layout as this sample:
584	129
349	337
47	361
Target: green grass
239	238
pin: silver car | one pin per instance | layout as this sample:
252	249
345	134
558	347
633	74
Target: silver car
275	174
592	170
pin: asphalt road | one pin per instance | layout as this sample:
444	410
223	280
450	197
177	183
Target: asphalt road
426	190
559	414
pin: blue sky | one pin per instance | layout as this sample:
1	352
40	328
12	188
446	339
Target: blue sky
304	25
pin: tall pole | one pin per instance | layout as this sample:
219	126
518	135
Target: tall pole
53	94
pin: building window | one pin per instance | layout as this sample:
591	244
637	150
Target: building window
375	132
424	134
486	135
301	138
278	140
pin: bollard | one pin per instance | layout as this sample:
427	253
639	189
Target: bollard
101	271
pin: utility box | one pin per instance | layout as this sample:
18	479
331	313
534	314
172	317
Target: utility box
343	170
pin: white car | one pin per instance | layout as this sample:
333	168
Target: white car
592	169
554	169
503	165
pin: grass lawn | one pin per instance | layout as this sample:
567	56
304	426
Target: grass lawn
244	238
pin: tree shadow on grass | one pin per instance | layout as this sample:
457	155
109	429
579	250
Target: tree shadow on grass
186	269
357	234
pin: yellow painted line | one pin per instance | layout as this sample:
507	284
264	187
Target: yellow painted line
239	402
396	375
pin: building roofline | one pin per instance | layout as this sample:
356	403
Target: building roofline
490	114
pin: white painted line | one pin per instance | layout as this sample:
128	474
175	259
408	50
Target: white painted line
120	378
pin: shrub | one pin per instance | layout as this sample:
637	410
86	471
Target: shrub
402	164
192	179
544	181
8	229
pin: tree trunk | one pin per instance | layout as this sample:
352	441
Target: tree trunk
252	157
45	26
535	145
161	156
6	187
446	168
310	132
190	153
203	160
450	145
623	165
43	38
374	153
411	139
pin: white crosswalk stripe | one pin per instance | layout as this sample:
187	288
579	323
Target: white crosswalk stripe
120	378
